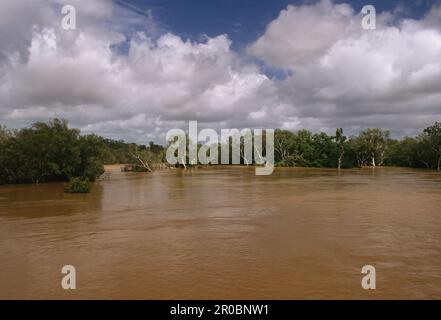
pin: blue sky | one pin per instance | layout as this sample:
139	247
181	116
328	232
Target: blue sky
244	20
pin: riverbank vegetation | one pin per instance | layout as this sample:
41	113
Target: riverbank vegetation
77	185
51	151
372	147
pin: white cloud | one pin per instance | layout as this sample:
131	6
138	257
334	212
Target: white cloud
341	74
303	32
347	76
160	83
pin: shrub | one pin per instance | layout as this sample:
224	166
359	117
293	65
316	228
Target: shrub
77	185
133	168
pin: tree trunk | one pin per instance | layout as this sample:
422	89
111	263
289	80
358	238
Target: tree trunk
144	164
439	163
183	162
373	161
381	159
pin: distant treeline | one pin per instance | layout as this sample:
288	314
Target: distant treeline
372	147
51	151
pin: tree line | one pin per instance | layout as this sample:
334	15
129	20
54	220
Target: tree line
372	147
51	151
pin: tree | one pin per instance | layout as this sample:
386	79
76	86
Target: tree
375	141
402	153
141	157
4	133
360	149
340	139
91	165
432	136
38	152
283	144
324	151
49	152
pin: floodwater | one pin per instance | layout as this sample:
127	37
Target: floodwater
224	233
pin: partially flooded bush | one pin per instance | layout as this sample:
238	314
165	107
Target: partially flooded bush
77	185
133	168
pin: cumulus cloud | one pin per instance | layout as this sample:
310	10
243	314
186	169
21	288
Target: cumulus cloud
348	76
302	33
118	76
159	83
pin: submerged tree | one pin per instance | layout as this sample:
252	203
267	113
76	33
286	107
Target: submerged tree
375	141
283	145
141	157
340	140
404	153
48	152
432	137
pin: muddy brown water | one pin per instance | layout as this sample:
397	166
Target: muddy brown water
223	233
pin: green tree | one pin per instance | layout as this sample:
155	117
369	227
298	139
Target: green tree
375	141
4	133
49	152
432	137
283	146
91	153
402	153
324	151
360	150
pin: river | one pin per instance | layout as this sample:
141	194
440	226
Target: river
224	233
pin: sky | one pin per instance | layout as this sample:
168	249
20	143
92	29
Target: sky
244	20
135	69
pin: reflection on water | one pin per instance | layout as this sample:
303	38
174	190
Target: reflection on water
226	233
